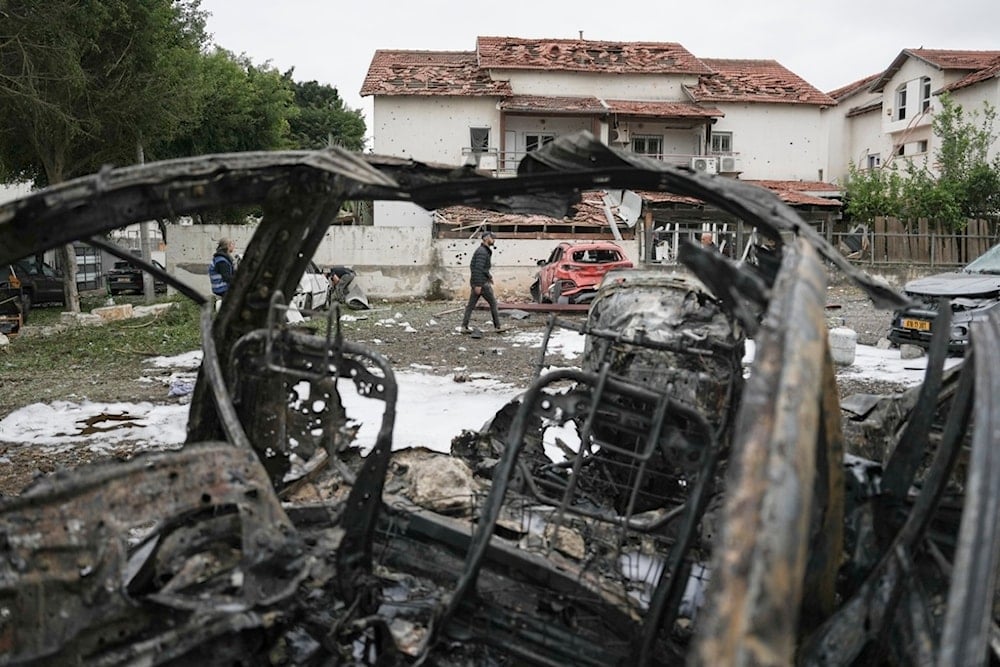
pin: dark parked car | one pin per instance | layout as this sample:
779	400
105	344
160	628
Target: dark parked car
125	278
972	291
573	271
39	283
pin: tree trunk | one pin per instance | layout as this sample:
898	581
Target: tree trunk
66	254
67	260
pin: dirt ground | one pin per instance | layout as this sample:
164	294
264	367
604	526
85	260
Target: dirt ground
415	335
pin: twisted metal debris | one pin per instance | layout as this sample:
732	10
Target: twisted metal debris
698	519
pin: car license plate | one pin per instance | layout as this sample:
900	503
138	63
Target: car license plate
919	325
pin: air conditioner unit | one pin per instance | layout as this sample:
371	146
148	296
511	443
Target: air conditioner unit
619	135
728	164
706	164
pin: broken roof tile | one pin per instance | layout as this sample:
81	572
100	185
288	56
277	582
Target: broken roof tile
588	56
429	73
755	81
553	104
662	109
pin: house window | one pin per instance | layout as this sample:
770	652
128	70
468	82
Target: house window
874	160
925	94
901	102
722	142
901	149
532	142
479	139
648	145
922	146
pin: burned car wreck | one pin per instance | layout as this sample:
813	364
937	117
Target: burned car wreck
699	517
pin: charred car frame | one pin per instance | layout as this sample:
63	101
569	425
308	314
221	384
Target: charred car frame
207	555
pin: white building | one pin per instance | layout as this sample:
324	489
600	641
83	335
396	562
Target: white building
752	119
888	116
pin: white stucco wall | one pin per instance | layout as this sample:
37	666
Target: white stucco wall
12	191
777	141
432	129
909	75
391	263
650	87
851	139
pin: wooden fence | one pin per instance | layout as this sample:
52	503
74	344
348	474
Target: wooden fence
890	241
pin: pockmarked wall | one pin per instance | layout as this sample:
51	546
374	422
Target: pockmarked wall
391	262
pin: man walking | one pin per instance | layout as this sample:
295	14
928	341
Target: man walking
481	282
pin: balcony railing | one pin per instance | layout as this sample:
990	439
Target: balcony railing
504	163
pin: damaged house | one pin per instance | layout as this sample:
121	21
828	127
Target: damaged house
490	107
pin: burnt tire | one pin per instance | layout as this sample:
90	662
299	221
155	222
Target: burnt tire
536	292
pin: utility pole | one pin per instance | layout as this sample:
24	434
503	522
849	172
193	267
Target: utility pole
144	229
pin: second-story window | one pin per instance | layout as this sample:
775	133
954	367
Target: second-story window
651	145
874	160
722	142
901	102
532	142
925	94
479	139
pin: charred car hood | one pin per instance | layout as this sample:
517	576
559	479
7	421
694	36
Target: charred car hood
956	285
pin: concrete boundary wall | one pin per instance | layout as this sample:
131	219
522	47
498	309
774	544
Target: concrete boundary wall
391	262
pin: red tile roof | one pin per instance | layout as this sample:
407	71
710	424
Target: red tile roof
864	108
793	193
851	88
595	105
755	81
942	59
975	77
530	103
429	73
797	186
802	193
662	109
589	212
587	56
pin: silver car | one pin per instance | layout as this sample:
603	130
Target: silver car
972	291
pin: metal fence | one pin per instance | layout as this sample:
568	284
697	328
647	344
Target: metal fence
887	242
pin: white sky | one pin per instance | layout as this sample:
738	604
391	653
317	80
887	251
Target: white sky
829	44
431	409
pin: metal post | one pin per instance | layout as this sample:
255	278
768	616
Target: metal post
144	230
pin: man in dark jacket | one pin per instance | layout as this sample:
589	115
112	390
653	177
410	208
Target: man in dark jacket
222	267
481	282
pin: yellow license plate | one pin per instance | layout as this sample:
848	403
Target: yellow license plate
919	325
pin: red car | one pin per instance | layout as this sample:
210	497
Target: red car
573	271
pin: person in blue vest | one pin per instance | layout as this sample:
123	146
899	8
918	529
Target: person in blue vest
222	267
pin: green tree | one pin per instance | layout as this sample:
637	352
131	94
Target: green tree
967	184
963	157
84	84
238	107
872	192
322	118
